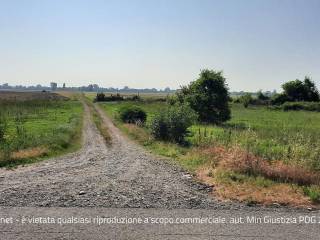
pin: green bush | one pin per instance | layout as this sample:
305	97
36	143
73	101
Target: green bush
101	97
307	106
279	99
172	124
246	100
132	114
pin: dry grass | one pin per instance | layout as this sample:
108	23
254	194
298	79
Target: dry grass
241	176
137	132
240	161
249	191
30	153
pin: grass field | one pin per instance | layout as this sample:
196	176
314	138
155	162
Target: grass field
284	145
33	129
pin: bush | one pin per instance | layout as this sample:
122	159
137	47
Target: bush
307	106
132	114
262	97
172	123
279	99
101	97
246	100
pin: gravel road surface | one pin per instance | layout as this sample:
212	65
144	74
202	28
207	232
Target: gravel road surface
122	174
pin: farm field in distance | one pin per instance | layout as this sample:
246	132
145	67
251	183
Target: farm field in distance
285	143
37	125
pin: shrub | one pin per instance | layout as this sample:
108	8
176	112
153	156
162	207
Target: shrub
172	123
261	96
279	99
132	114
307	106
246	100
101	97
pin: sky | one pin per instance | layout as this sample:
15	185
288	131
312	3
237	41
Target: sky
258	44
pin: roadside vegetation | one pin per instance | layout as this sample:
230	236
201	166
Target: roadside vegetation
258	153
98	121
33	129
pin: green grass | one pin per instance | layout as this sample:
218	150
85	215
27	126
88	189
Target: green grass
52	125
313	192
272	134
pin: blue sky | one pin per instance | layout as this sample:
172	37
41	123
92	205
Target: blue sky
259	44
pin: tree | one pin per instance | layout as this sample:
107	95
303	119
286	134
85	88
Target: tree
261	96
301	90
295	90
311	91
207	96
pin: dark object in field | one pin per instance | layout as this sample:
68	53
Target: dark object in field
132	114
101	97
25	96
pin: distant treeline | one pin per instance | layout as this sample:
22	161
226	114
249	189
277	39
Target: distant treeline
101	97
89	88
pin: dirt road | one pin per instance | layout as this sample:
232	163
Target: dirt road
124	180
119	175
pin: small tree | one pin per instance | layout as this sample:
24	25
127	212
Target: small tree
261	96
246	99
295	90
208	96
311	91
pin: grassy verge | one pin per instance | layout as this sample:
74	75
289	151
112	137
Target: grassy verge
257	156
98	121
36	129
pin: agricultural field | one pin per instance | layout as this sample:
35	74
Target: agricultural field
37	125
260	155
